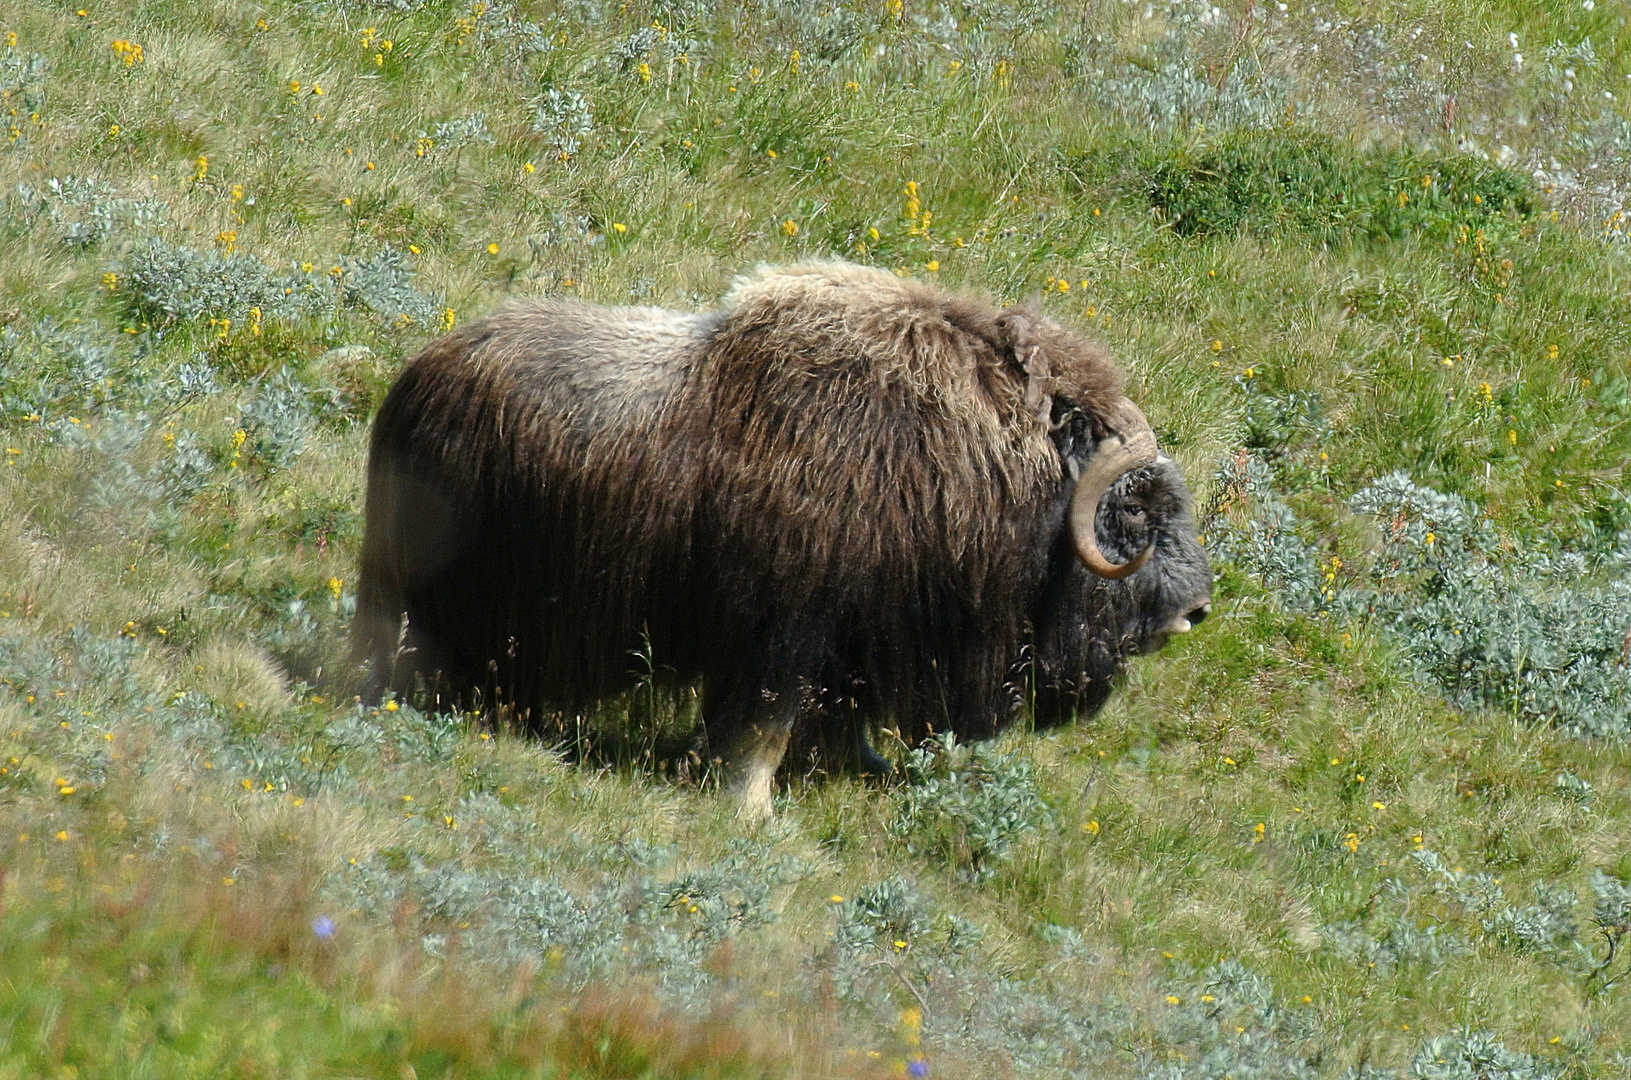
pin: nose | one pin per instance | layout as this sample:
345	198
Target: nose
1181	624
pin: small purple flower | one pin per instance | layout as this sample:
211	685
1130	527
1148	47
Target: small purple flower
918	1066
323	927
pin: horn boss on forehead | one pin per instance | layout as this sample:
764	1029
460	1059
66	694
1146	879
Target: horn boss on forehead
838	500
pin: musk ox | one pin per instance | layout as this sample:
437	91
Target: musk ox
847	498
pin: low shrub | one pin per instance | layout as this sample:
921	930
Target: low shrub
967	803
1291	179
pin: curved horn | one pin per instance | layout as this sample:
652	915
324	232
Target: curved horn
1131	447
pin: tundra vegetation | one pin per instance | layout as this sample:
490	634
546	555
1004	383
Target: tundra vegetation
1365	267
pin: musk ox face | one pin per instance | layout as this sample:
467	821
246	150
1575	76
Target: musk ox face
1088	624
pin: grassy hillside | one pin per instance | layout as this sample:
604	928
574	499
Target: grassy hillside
1365	265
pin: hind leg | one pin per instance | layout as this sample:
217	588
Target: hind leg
865	758
848	737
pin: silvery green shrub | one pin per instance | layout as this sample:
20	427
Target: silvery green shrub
1612	914
1474	1055
382	283
87	211
967	803
455	135
1520	625
1549	927
1255	530
23	74
564	118
1224	1022
278	419
167	281
1537	631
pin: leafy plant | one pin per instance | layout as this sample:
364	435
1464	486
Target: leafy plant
968	804
564	118
1293	179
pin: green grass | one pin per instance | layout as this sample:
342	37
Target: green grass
1231	873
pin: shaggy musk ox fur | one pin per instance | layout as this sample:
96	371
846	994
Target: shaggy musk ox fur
846	498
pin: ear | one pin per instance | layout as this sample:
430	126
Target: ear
1021	344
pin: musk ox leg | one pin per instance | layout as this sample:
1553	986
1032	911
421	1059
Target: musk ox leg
853	729
373	646
751	762
753	725
867	761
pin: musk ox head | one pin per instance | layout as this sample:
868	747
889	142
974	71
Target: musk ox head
1125	571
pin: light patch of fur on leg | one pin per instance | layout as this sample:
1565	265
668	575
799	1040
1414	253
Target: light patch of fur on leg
751	764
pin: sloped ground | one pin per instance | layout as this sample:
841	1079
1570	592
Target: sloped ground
1365	267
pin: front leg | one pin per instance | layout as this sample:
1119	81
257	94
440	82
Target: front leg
755	728
751	762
